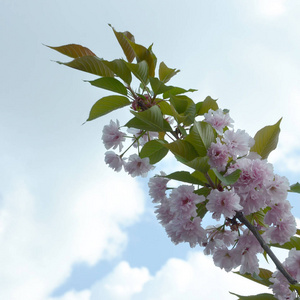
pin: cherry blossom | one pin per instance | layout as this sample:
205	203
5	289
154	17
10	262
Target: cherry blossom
218	120
112	137
137	166
114	161
224	203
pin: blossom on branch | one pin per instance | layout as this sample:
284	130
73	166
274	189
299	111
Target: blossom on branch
112	137
137	166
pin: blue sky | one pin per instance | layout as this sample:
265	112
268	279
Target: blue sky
70	228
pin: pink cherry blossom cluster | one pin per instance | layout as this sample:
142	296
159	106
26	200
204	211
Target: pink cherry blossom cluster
258	194
280	284
112	138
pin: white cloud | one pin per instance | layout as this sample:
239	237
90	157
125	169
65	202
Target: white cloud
271	8
122	283
73	295
40	240
194	278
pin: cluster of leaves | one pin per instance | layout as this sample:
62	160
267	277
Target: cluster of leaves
152	105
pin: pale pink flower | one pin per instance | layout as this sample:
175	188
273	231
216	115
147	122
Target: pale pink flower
218	155
278	188
249	262
218	120
183	229
137	166
183	200
225	203
224	259
157	187
279	211
112	136
141	136
163	212
255	173
114	161
254	200
282	231
238	143
281	287
292	263
246	253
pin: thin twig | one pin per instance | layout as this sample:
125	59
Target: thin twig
263	244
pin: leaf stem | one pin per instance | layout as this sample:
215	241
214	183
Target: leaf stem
280	267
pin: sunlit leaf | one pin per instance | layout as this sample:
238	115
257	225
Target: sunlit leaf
73	50
183	150
295	188
119	67
155	150
111	84
165	73
229	179
204	106
184	176
185	107
140	71
158	87
176	91
266	140
123	38
201	136
294	242
199	164
143	54
90	64
153	118
106	105
165	107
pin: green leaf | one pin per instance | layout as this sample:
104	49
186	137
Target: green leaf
204	106
266	140
106	105
229	179
119	67
140	71
123	39
111	84
90	64
185	107
153	118
73	50
204	191
262	277
200	176
165	107
155	150
183	150
257	217
184	176
295	188
294	242
255	297
142	53
201	208
165	73
158	87
201	136
176	91
199	164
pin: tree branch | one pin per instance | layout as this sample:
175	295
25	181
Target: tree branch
280	267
